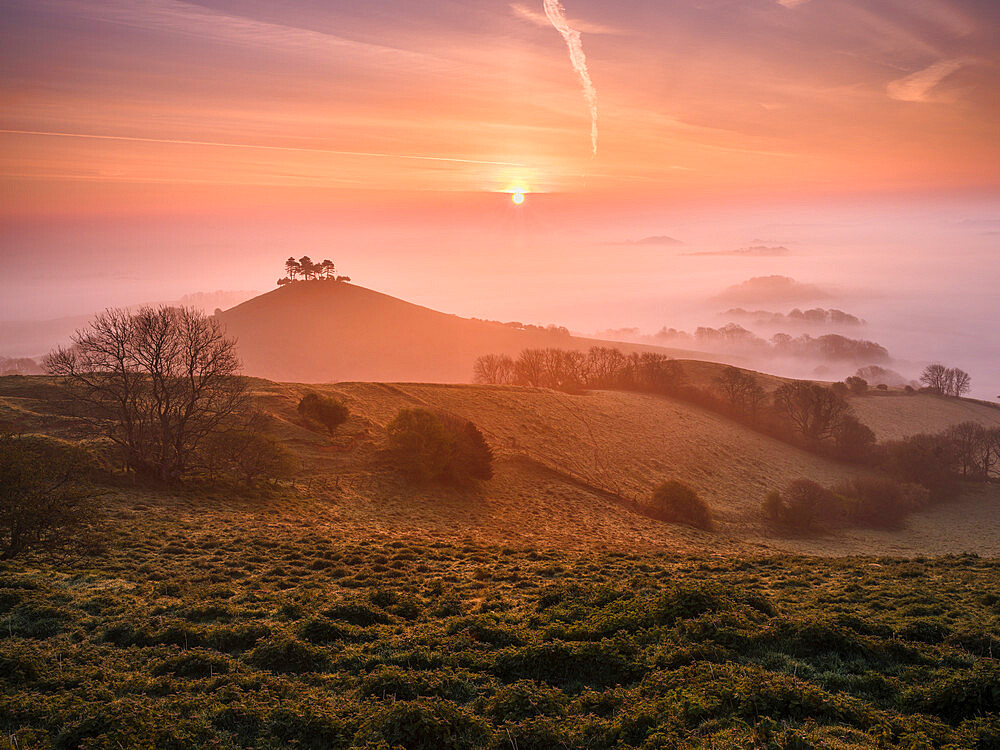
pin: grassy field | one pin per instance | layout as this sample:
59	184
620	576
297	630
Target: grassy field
538	611
273	623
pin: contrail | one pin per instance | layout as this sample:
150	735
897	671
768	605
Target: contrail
557	16
254	146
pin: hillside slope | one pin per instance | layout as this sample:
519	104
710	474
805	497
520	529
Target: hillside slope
569	466
327	331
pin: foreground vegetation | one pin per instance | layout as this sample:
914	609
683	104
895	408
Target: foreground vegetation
251	626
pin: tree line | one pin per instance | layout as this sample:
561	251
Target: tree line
809	415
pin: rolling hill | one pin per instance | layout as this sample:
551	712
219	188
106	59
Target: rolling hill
328	331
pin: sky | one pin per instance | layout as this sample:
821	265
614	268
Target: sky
150	148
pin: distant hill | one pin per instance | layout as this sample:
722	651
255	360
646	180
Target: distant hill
329	331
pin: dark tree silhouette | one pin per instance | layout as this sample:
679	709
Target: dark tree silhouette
292	268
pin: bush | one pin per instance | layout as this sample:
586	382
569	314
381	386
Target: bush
431	447
288	655
47	501
676	502
249	455
927	460
429	724
804	505
858	386
323	410
873	501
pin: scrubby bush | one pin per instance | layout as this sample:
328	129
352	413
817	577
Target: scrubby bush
323	410
858	386
927	460
248	455
47	499
803	506
876	501
430	447
677	502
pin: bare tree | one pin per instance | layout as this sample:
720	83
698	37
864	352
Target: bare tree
530	367
154	381
960	382
493	369
741	389
935	377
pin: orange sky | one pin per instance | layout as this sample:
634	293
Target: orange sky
123	105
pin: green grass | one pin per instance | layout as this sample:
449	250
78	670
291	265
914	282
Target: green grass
248	626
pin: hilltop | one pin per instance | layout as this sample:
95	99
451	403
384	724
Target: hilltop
324	331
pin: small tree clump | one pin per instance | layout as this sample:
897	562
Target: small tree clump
858	386
802	506
323	410
47	501
429	447
676	502
881	502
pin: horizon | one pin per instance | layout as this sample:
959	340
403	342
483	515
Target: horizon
156	149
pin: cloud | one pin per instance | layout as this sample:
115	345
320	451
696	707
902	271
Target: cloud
917	87
792	3
540	19
556	14
262	147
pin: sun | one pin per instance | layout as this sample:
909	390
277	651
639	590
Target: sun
517	197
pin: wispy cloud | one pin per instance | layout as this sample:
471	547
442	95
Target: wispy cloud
557	16
540	19
917	87
792	3
261	147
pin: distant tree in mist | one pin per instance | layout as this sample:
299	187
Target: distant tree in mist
155	382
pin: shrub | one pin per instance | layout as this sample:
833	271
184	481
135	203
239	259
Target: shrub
927	460
46	499
858	386
324	410
429	724
875	501
803	505
431	447
284	654
249	455
676	502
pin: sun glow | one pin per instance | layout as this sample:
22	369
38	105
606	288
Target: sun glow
517	197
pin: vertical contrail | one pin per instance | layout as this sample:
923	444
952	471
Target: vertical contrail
557	16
